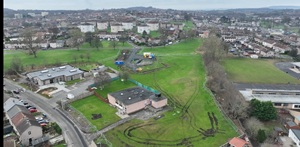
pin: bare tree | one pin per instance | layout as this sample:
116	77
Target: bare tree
16	66
101	79
252	126
213	48
113	43
31	41
76	38
124	75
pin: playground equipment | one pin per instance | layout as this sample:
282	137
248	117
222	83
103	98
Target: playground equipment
139	69
149	55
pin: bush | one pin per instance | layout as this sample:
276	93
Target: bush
261	136
264	111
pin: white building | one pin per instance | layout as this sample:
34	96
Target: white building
127	25
154	26
116	27
102	25
294	134
18	15
86	28
142	28
44	13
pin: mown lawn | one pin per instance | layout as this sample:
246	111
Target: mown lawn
183	81
154	34
93	105
246	70
114	86
105	55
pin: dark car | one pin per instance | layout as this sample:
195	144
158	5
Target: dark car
25	103
28	106
16	92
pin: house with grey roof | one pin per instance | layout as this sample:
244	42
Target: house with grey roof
55	75
9	103
24	124
294	134
134	99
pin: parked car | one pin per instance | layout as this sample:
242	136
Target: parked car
43	124
38	118
31	107
28	106
32	110
16	91
43	121
25	103
44	115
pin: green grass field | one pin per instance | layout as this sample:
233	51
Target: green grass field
92	105
256	71
114	86
105	55
188	25
154	34
183	81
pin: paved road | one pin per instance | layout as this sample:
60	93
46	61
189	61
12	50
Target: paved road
285	67
72	135
240	86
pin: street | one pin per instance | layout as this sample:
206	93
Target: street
72	135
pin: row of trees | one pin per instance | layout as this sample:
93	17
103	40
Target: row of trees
232	102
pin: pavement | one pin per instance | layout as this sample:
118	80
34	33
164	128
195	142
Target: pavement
286	67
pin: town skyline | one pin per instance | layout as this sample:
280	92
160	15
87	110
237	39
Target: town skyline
171	4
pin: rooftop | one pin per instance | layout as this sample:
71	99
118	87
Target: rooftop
273	98
50	73
296	132
296	63
25	124
237	142
133	95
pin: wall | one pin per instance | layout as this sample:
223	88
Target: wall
81	96
136	106
36	132
111	99
160	103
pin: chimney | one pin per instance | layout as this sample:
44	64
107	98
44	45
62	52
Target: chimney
121	93
129	98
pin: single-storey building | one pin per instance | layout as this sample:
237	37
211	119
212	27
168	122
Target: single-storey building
134	99
294	134
289	99
55	75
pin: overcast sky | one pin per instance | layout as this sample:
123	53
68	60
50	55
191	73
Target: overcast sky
173	4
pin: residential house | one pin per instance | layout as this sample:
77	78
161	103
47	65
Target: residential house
116	27
86	27
268	43
102	25
291	125
25	124
143	27
280	48
154	25
127	25
204	34
238	142
178	25
165	25
134	99
9	103
294	134
60	43
229	38
55	75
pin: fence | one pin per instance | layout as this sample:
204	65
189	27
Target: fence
144	86
100	97
81	96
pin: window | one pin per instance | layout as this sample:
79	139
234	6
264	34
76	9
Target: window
285	104
277	104
297	106
29	132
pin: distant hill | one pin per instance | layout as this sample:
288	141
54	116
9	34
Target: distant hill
284	7
7	11
143	8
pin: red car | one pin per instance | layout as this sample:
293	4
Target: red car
43	124
32	110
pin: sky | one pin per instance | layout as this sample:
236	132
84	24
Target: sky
165	4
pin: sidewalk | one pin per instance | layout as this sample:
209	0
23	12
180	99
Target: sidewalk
58	86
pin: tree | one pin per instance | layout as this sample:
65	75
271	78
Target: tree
293	53
88	56
144	34
81	56
187	16
89	37
96	43
286	19
76	38
123	38
124	75
16	66
113	43
75	57
252	125
261	136
30	42
264	111
213	49
101	79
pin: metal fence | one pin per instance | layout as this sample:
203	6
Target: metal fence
144	86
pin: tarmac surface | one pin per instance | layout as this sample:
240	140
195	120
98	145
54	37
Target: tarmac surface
285	67
242	86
